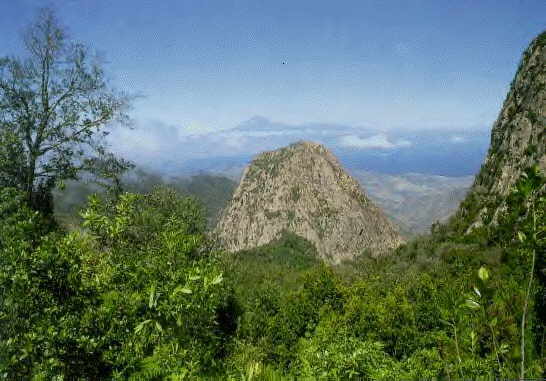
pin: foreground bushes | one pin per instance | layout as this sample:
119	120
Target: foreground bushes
46	328
139	293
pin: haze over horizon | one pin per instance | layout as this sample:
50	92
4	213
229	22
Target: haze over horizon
368	78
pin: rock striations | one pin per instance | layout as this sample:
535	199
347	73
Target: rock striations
518	137
302	188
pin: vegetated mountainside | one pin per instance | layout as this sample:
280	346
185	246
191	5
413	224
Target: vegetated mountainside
518	140
303	189
414	201
212	191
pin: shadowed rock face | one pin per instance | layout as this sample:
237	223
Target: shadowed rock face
518	137
303	189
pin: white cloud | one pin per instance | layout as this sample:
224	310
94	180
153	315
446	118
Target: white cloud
379	141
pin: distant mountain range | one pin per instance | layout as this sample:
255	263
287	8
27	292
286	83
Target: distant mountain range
446	151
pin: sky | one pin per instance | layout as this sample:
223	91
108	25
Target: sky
386	66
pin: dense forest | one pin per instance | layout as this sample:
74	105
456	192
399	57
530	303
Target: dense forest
136	288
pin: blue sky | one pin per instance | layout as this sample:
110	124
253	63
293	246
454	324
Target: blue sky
205	66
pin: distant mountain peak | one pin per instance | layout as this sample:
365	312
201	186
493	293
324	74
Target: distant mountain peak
303	189
257	121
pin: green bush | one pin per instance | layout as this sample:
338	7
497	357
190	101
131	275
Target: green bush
333	353
164	307
46	324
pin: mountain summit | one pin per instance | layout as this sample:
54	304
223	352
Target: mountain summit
303	189
518	138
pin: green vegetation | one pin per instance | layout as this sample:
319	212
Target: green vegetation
270	215
139	293
541	39
291	215
269	162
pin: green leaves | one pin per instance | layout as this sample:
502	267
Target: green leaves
157	256
214	281
140	326
182	290
158	326
493	322
152	301
46	302
139	293
483	273
470	303
530	181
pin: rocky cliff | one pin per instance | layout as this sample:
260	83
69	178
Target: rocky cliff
518	138
303	189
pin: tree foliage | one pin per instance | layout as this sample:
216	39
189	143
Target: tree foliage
140	295
55	106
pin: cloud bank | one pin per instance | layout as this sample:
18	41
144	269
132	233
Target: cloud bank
379	141
172	149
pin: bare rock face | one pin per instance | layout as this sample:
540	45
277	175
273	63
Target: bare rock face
518	137
303	189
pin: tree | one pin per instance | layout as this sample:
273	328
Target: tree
56	106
